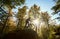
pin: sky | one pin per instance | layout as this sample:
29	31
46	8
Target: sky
45	5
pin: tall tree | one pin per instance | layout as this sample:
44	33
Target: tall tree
10	4
56	8
34	15
3	16
20	15
45	17
45	28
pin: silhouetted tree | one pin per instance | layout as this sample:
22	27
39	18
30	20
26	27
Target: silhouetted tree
10	4
56	8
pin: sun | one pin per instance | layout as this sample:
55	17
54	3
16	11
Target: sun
36	22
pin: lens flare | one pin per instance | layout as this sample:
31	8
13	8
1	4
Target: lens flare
36	22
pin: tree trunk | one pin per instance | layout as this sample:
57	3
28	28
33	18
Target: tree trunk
9	14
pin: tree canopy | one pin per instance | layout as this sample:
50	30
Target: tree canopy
56	8
11	3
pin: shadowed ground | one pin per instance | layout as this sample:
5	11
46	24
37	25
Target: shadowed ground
21	34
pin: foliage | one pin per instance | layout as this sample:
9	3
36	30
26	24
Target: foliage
45	17
54	32
56	8
21	31
12	3
3	17
20	15
34	11
34	14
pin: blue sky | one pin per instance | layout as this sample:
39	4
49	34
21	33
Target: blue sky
45	5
